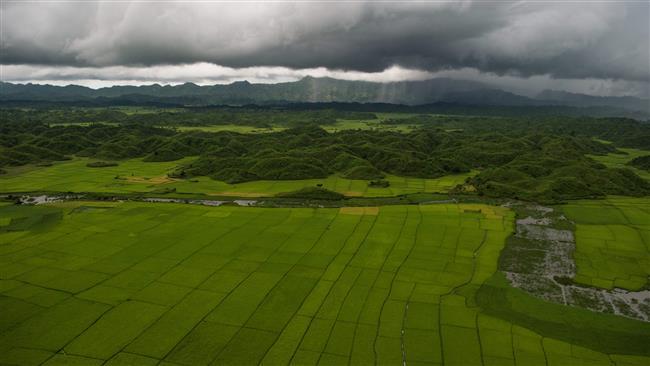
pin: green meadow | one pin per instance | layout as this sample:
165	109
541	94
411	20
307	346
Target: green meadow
134	175
616	160
612	242
231	128
135	283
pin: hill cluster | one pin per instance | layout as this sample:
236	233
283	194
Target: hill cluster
527	159
175	117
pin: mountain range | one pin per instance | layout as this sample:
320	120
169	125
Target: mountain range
319	90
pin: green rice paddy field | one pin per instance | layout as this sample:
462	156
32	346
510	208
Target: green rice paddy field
134	283
612	242
137	176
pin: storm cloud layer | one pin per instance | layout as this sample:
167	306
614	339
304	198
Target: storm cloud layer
577	40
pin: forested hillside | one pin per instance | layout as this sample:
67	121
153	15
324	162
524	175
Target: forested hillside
536	159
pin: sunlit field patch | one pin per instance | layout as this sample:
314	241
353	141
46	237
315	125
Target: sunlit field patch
132	175
621	160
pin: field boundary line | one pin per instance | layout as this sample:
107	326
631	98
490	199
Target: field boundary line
541	342
356	226
102	314
478	337
329	291
454	289
226	293
197	287
154	321
390	289
380	270
336	215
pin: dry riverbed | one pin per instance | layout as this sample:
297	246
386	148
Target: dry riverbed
538	259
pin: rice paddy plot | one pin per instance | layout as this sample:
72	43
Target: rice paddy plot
612	242
134	175
348	187
139	283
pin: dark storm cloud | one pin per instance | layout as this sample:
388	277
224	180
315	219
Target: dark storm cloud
576	40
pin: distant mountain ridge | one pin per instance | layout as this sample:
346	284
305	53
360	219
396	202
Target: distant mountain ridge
308	89
320	90
584	100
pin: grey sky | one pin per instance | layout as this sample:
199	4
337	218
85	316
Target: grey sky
593	47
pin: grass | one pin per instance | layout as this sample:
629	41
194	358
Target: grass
341	124
373	124
612	242
134	175
620	160
139	283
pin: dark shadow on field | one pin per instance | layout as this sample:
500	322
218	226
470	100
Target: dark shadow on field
33	218
605	333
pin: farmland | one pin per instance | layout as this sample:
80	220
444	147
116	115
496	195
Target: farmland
620	160
373	238
90	282
332	183
612	242
134	175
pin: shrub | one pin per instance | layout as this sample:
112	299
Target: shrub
162	155
380	183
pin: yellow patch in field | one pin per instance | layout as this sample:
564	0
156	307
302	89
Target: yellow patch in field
489	212
353	193
468	188
359	211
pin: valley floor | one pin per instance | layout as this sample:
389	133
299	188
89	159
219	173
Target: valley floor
134	175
